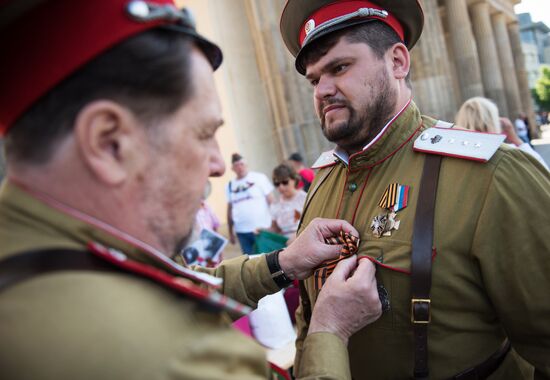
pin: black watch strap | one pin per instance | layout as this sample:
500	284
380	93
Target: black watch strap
277	273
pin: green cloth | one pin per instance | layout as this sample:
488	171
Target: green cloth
267	241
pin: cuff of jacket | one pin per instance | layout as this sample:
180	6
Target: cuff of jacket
324	356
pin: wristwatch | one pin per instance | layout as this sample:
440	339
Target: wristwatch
277	273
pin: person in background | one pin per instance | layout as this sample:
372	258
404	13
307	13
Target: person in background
206	218
306	174
287	210
481	114
248	199
522	129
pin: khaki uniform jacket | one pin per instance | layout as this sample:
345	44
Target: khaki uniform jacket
110	325
491	269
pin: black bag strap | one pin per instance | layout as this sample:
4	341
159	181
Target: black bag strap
421	265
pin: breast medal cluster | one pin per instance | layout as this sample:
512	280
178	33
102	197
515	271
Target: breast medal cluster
394	199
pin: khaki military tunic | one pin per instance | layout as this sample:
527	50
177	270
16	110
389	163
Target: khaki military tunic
491	268
110	325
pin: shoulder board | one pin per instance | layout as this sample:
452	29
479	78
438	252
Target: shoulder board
176	283
459	143
326	159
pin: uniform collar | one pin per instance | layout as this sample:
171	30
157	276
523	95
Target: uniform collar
30	220
390	139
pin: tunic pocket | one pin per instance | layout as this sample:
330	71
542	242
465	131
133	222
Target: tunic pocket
393	261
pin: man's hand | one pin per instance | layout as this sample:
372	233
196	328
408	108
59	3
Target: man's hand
309	249
348	300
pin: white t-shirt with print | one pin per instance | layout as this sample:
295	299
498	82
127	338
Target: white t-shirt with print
287	213
247	196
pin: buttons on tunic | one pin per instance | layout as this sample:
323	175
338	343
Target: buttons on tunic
352	187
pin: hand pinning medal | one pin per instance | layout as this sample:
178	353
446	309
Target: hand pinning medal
394	199
350	245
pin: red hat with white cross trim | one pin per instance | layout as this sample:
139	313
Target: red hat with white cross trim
45	41
304	21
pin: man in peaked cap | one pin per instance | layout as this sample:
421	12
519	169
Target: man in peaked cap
455	222
109	113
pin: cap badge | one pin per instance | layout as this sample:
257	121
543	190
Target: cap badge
394	199
310	25
145	11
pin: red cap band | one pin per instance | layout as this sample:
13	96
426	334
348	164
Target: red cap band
51	41
342	8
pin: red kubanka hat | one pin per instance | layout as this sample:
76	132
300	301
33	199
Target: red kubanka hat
304	21
44	41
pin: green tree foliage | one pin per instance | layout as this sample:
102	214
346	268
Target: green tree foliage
541	92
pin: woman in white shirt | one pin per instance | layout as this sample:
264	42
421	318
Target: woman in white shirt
481	114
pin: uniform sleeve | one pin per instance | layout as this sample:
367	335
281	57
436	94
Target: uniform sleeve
319	355
512	247
324	356
245	279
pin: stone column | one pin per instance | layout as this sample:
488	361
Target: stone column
507	66
290	97
433	89
521	74
488	56
465	53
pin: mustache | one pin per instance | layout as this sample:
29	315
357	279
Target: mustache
332	101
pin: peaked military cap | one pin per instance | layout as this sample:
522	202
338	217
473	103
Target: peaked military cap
45	41
304	21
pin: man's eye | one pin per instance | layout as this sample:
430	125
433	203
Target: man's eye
207	134
340	68
314	82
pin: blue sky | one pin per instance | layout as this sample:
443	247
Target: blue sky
539	9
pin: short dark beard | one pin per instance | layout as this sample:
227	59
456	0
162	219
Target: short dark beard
362	127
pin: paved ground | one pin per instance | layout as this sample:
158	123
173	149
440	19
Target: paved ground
542	146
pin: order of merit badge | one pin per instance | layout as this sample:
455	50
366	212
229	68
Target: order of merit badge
393	200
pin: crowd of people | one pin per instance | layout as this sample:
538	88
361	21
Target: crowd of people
254	206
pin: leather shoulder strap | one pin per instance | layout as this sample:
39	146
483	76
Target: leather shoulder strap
421	266
24	266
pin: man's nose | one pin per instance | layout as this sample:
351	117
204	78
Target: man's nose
216	163
325	88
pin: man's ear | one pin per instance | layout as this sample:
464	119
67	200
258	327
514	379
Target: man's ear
108	136
401	60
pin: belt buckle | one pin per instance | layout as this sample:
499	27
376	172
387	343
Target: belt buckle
419	301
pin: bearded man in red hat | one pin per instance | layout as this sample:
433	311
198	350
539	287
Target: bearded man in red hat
454	221
109	114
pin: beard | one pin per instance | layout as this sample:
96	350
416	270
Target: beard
363	124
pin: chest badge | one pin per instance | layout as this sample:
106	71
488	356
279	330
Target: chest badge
393	200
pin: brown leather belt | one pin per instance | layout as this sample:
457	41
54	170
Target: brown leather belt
484	369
